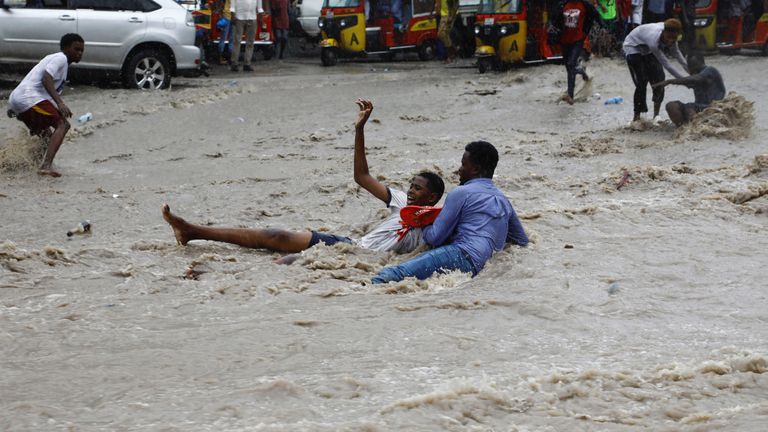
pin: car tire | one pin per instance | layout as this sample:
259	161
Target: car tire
328	56
484	64
148	70
427	50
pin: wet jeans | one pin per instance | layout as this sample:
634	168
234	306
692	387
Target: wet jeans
439	260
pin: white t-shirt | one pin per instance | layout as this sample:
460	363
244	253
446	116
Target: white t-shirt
31	91
384	236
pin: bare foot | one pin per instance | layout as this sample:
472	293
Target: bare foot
48	172
179	225
288	259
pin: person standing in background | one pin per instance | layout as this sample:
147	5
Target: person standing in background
280	24
244	15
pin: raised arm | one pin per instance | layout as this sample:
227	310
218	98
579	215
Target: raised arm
362	176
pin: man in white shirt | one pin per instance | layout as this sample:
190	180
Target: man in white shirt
37	100
643	49
244	19
426	189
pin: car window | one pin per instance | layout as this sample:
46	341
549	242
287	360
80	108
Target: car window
116	5
36	4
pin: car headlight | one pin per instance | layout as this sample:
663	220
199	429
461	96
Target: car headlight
343	23
477	30
503	30
320	22
702	22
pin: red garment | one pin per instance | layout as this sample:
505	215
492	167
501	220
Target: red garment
42	116
574	13
279	14
624	8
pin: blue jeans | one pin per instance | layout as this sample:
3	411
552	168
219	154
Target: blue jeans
224	37
439	260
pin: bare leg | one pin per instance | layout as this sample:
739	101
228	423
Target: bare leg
53	147
676	112
272	239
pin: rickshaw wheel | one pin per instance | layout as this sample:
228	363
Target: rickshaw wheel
484	64
427	50
328	56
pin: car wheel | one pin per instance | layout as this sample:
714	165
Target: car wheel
328	56
427	50
148	70
484	64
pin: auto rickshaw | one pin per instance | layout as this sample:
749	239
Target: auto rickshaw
716	29
376	27
513	31
206	22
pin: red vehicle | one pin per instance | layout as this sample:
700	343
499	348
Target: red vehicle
207	22
347	29
513	31
715	28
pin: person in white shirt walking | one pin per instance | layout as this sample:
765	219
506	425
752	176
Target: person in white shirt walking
244	19
37	100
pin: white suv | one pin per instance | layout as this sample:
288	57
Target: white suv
309	12
144	42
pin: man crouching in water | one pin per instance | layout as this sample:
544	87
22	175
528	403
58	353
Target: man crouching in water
426	189
37	99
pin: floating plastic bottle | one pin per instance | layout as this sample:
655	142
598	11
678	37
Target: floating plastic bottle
85	118
614	100
83	227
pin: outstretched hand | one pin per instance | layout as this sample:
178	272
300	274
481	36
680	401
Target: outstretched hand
366	107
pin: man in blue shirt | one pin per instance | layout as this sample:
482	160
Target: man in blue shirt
476	220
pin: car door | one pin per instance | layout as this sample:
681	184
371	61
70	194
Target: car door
32	29
110	28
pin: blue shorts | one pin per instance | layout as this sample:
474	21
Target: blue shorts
328	239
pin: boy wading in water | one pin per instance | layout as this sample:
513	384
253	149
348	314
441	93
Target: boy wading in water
37	100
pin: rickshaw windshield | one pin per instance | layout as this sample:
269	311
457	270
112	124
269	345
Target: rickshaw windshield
500	6
341	3
421	7
700	4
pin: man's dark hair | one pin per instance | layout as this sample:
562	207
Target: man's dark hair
68	39
696	57
484	155
434	183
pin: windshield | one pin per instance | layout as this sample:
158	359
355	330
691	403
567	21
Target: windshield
341	3
703	3
500	6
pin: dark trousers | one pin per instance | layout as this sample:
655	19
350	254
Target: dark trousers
571	55
645	69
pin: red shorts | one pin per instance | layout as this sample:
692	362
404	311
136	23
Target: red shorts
41	116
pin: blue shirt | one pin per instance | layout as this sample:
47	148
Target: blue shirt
477	218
